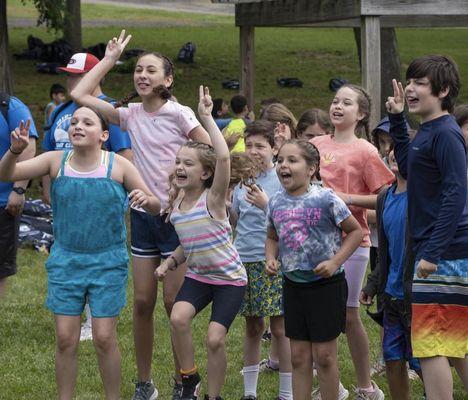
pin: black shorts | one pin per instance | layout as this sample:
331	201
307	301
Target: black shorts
151	235
315	311
9	228
227	299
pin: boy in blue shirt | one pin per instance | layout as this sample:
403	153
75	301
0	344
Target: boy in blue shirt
263	295
435	165
12	194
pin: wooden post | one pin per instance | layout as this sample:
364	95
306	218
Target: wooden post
370	58
247	53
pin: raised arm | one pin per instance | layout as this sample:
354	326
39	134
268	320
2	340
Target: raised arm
82	93
219	188
398	130
11	170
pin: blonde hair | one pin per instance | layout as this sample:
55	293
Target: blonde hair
278	112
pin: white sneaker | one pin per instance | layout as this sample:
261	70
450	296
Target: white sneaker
343	394
377	394
378	368
86	332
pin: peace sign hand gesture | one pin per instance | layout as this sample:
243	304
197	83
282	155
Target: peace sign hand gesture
396	104
116	46
205	105
20	137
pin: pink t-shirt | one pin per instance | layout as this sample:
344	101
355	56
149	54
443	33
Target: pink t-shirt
156	139
353	168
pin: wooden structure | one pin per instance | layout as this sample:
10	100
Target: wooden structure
369	15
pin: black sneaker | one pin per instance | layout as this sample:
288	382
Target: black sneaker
191	385
248	398
145	391
176	390
217	397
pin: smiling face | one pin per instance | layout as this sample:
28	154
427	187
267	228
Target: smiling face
421	100
259	150
293	171
149	73
189	171
86	129
344	109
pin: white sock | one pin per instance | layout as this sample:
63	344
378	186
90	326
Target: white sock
88	315
250	380
285	385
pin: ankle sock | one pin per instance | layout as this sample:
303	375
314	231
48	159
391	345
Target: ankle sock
250	380
285	385
274	364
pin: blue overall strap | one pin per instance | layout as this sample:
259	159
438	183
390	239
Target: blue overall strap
66	157
111	162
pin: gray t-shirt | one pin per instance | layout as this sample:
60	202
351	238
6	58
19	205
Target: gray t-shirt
252	221
308	227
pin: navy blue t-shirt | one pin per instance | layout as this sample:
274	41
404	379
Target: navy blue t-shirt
394	224
434	164
17	112
56	138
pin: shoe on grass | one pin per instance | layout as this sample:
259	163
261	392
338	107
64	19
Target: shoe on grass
361	394
265	366
191	385
343	394
145	391
86	332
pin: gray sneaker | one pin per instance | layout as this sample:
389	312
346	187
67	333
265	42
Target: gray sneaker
145	391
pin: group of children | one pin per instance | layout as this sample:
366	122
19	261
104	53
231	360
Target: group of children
301	246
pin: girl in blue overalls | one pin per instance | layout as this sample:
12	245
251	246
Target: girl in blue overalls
89	257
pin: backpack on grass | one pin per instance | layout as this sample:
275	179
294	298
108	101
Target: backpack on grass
187	53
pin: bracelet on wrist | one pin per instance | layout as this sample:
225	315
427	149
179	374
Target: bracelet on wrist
14	152
176	264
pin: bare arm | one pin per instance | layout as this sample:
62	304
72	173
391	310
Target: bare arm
218	191
140	195
199	134
82	93
271	252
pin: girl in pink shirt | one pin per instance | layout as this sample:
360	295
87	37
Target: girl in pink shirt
351	166
158	127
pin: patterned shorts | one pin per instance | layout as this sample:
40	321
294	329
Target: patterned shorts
263	293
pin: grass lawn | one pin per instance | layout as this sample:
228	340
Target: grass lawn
314	55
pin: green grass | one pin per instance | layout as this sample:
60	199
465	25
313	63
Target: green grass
314	55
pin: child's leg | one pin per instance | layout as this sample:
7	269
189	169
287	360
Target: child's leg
358	342
284	355
216	368
398	381
181	318
107	350
301	360
438	381
145	292
325	358
254	328
171	286
461	366
67	331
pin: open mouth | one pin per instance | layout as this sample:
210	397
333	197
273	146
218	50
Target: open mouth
337	114
143	85
412	101
77	135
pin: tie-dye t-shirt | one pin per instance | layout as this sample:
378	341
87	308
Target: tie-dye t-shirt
308	227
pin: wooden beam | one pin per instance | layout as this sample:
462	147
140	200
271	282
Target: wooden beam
283	12
412	7
370	58
247	56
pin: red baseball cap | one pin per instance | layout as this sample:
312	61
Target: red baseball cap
80	63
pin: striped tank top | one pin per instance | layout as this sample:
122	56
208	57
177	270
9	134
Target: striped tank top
211	256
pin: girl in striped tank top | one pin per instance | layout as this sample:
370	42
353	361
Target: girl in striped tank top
215	272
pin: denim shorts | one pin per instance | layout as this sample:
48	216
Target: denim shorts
151	235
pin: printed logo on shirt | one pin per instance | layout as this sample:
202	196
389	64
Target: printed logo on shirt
415	148
328	158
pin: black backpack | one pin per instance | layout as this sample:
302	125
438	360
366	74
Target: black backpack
187	53
4	104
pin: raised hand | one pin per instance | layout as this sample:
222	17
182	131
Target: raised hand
20	137
205	104
280	134
116	46
396	104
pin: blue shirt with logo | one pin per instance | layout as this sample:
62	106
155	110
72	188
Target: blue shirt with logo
17	112
56	137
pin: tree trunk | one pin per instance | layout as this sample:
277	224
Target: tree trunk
390	59
72	26
6	81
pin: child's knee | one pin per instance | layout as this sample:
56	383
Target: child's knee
300	359
215	341
324	358
104	340
179	322
67	341
143	306
277	330
254	327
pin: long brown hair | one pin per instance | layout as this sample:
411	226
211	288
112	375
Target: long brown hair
364	104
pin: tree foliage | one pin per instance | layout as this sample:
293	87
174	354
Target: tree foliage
51	13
